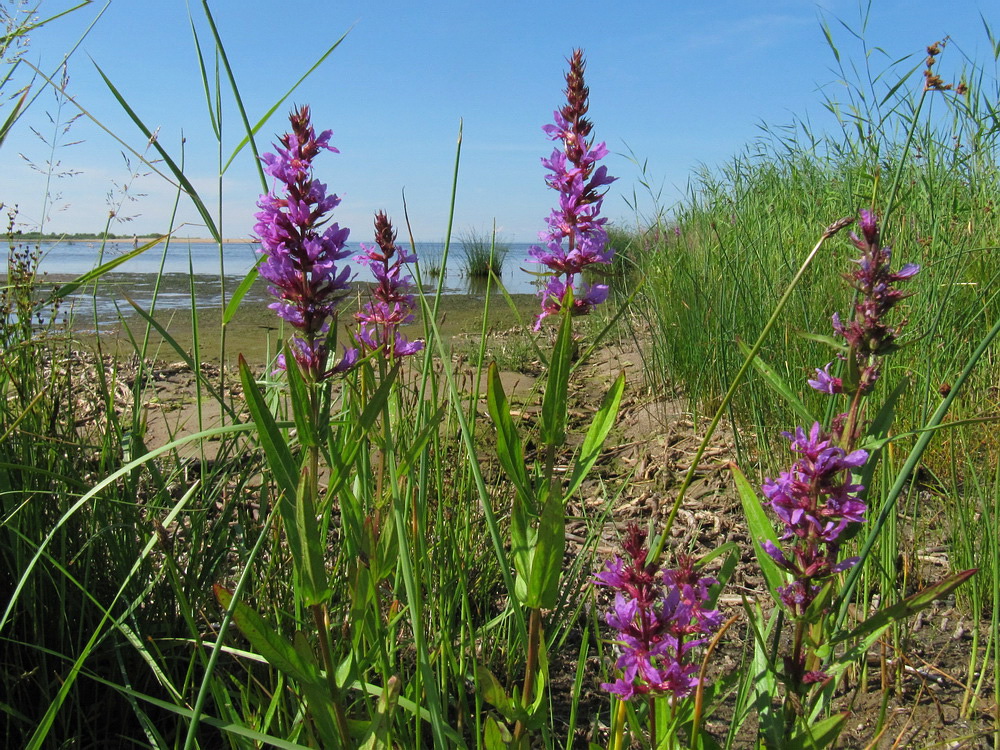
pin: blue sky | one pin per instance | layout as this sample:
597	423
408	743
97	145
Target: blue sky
677	84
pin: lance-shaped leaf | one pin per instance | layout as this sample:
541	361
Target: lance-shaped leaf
510	451
522	547
761	530
816	736
869	631
597	433
547	556
284	657
279	458
313	579
299	394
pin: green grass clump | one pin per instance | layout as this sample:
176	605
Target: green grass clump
483	254
928	168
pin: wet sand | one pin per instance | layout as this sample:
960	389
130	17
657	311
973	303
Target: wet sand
255	331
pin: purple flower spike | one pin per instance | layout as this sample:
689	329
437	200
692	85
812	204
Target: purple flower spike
868	334
392	300
300	257
575	238
556	293
659	616
816	504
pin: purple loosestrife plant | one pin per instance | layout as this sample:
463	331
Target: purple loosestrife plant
660	617
392	300
815	502
302	251
815	499
575	238
869	336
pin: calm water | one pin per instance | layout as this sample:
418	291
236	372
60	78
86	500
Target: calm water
186	265
76	258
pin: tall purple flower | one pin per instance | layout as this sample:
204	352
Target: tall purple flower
868	334
301	255
575	238
660	618
815	502
392	299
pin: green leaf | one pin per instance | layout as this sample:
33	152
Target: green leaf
732	552
779	386
553	418
829	40
704	741
417	443
178	172
203	382
386	553
510	451
820	604
362	595
241	291
300	642
301	398
819	735
378	736
875	625
284	657
877	433
71	286
597	433
378	400
830	341
491	691
279	458
313	579
267	115
538	710
760	529
267	642
234	728
547	557
204	80
12	117
764	681
522	539
496	736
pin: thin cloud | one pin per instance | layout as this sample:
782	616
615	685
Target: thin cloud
754	32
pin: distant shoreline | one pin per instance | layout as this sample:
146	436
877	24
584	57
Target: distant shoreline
191	240
141	240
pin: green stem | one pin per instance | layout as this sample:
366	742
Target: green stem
794	677
653	740
534	636
323	629
618	731
319	611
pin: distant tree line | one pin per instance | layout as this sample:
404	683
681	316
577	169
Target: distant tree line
54	236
